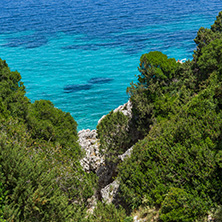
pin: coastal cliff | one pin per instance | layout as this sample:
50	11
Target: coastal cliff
156	158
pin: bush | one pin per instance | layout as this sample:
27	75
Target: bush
12	92
39	186
113	132
109	213
179	205
45	122
218	214
32	193
2	196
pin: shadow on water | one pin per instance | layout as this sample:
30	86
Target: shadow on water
79	87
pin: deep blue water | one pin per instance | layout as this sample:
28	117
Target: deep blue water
83	54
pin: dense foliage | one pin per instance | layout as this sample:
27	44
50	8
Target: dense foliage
156	73
48	123
114	135
41	177
109	213
12	93
182	152
177	166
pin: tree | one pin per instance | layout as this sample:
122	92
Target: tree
203	38
211	59
156	74
217	26
156	67
12	92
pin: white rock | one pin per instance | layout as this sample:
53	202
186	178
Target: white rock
126	109
89	143
109	192
126	154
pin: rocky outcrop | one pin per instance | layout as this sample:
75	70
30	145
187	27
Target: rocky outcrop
126	109
93	160
109	193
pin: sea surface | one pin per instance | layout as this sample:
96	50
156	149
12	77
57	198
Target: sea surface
83	54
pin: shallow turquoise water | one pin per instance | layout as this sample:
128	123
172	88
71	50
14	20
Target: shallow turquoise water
70	42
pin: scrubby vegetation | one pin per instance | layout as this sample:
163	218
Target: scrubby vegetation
174	172
114	135
41	178
109	213
175	167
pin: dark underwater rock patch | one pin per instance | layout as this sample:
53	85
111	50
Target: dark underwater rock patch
79	87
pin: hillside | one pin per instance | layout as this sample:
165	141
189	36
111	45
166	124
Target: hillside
174	130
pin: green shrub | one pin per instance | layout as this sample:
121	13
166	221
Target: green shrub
108	213
113	132
179	205
32	193
210	60
45	122
40	186
2	196
43	181
12	92
218	214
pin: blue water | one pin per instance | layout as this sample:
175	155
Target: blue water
83	54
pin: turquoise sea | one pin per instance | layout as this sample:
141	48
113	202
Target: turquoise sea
83	54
